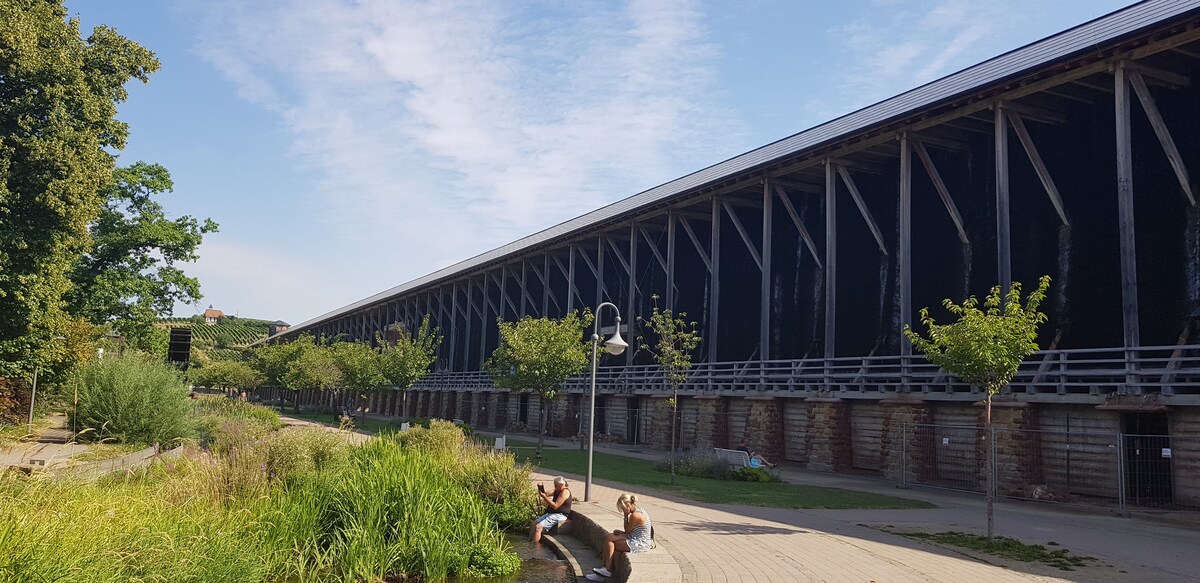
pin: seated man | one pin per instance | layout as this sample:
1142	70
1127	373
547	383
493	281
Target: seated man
756	461
558	506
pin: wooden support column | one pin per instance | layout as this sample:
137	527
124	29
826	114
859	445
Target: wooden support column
714	281
904	258
830	266
600	287
1003	239
631	271
670	299
467	317
485	301
545	277
524	295
453	325
571	291
764	324
1129	300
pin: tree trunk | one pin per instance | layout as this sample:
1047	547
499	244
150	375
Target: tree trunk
541	424
991	463
674	417
296	402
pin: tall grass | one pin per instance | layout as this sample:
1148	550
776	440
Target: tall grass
236	409
129	399
294	505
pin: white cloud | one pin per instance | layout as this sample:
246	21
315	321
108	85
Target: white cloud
442	129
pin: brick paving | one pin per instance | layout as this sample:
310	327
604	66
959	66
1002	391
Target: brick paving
716	543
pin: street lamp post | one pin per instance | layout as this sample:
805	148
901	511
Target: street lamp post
614	346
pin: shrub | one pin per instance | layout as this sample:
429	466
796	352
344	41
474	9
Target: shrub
752	475
236	409
131	400
701	463
300	451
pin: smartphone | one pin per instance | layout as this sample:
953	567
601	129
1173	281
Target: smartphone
542	488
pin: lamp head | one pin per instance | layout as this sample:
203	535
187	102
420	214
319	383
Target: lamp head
616	345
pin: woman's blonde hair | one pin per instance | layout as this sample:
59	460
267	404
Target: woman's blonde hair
627	502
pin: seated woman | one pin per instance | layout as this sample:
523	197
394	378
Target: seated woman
756	461
558	508
634	538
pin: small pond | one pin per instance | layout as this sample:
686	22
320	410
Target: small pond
539	564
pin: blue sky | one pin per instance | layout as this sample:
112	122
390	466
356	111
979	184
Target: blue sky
348	147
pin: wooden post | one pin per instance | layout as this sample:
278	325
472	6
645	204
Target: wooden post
830	267
1129	300
714	283
764	330
670	299
904	254
1003	241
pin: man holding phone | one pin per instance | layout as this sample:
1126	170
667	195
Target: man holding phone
558	506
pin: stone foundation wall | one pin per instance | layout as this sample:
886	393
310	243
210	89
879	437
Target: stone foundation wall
764	428
657	422
828	446
905	456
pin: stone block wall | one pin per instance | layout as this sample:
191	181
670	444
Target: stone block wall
764	428
704	427
907	455
795	430
1185	456
1018	452
656	424
829	438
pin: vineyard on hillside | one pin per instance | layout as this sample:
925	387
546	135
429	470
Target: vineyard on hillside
223	340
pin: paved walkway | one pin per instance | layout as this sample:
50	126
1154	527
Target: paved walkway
717	543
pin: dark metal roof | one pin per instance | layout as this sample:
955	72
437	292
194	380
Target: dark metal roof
1074	41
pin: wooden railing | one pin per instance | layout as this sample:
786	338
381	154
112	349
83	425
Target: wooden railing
1164	370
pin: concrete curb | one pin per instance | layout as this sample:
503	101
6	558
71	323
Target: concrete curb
653	566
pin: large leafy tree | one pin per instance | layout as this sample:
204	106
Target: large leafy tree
675	343
536	355
58	97
985	347
407	358
131	277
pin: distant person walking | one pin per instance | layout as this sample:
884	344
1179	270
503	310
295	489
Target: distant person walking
558	506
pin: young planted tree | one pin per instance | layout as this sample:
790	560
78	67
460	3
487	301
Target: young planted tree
676	341
408	359
985	347
359	363
537	355
313	367
225	374
297	365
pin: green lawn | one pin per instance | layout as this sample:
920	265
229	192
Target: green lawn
639	472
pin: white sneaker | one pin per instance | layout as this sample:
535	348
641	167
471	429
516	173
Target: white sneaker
601	571
593	577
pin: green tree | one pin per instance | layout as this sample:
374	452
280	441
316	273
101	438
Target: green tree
985	347
58	98
360	366
131	276
274	360
313	367
537	355
407	360
676	342
225	374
